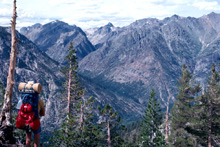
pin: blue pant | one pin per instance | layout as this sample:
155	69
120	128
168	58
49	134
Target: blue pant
35	132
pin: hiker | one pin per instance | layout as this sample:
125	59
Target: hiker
31	108
41	111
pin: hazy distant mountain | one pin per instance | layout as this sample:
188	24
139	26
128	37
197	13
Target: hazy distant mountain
100	35
54	38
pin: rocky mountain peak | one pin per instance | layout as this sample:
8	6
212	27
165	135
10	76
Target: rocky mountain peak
98	35
58	25
175	16
213	19
213	14
144	23
54	38
105	29
109	25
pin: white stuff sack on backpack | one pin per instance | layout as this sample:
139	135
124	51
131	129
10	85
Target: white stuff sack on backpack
19	103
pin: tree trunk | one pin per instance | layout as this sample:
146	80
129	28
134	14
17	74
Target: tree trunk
6	116
82	113
210	121
167	120
68	92
210	127
167	114
109	133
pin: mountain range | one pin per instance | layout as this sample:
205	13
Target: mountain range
118	65
149	53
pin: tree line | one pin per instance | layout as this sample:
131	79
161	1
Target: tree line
193	120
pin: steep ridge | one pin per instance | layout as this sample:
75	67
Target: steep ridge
55	37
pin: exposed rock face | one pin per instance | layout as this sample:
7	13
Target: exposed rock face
149	53
54	38
98	35
33	64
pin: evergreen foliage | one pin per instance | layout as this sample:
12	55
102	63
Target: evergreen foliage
195	119
71	135
112	125
72	88
79	127
131	133
182	112
151	135
207	115
2	95
2	89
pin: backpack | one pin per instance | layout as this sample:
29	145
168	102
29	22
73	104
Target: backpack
28	116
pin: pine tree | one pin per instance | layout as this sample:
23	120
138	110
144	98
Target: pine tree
72	92
78	129
207	111
72	89
89	132
182	111
151	135
112	125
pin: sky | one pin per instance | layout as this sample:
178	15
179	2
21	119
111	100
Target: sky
96	13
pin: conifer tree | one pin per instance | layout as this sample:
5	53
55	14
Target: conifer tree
207	111
73	134
72	89
78	129
112	126
182	111
88	131
150	134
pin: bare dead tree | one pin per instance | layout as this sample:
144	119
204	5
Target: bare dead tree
109	133
6	117
167	120
6	128
69	92
167	114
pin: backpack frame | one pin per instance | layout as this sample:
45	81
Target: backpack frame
29	98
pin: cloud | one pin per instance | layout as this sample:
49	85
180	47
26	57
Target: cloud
5	12
26	13
5	21
90	13
204	5
6	2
